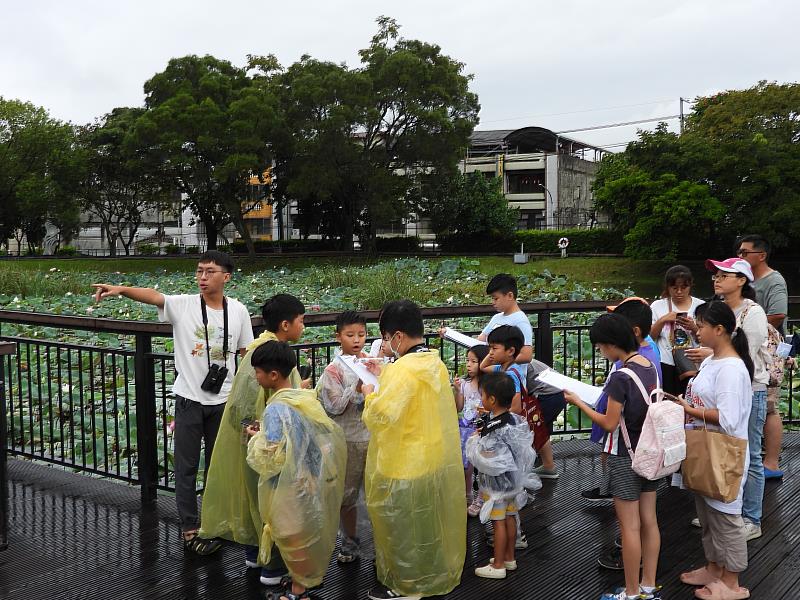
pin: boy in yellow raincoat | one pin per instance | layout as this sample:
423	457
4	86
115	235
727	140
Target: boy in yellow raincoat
300	456
414	477
230	501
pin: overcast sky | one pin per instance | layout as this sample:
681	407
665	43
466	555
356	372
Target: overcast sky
559	64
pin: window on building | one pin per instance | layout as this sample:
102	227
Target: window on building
260	226
525	182
531	219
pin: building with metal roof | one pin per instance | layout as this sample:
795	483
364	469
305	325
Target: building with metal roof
546	175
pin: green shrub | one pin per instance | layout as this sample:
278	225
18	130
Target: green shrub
397	244
67	251
581	241
477	243
147	249
172	249
192	250
33	252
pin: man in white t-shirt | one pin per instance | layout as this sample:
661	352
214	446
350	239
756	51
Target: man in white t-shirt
208	330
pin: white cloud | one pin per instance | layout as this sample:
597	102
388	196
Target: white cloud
530	59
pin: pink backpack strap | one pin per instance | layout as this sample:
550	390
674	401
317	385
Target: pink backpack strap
659	396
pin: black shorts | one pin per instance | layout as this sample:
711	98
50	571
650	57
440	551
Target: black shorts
552	405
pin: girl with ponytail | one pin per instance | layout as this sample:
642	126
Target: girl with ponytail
732	283
720	395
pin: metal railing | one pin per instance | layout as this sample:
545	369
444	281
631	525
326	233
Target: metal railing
108	411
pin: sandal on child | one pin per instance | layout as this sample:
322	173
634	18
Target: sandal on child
699	576
201	546
716	590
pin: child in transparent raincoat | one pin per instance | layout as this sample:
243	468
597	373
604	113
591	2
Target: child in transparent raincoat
503	455
339	391
300	457
230	500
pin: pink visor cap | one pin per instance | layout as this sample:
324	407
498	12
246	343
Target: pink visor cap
731	265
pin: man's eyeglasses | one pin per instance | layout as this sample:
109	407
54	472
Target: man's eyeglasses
207	272
744	253
718	276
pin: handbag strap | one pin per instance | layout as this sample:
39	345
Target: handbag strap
647	398
670	324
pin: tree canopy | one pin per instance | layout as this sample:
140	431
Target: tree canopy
208	126
734	170
41	167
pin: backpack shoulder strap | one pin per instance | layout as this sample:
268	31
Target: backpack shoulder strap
743	315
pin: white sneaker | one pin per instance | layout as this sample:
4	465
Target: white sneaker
751	530
696	522
489	572
510	565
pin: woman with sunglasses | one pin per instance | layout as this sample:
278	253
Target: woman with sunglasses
732	283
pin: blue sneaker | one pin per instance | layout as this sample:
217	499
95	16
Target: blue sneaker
251	557
620	593
273	576
618	596
770	474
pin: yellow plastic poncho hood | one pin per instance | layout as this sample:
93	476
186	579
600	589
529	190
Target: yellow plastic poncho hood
230	500
300	455
414	477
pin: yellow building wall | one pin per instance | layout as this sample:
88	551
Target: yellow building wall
262	212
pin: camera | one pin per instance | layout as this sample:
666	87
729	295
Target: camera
214	379
482	420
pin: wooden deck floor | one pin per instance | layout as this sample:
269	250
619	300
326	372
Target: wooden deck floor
74	537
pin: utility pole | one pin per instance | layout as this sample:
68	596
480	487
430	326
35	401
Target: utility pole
681	112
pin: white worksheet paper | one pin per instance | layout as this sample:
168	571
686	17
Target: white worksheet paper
360	369
461	339
588	393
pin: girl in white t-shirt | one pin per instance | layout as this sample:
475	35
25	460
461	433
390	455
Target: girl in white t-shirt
720	395
673	319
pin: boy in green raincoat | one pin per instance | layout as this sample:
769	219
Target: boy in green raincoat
230	501
300	456
414	478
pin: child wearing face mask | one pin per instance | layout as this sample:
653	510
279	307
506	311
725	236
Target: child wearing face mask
414	475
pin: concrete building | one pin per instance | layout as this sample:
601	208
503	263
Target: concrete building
547	176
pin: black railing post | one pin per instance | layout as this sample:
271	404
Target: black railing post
6	348
544	338
146	433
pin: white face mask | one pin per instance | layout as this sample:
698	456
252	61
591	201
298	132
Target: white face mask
389	343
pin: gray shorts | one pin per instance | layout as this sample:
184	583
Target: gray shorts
723	537
621	481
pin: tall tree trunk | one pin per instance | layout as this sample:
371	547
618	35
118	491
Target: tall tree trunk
211	233
241	227
111	239
370	244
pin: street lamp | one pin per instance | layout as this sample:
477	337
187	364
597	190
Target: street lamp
549	195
